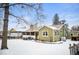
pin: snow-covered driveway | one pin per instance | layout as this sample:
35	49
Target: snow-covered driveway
30	47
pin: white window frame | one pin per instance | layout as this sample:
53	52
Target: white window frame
45	34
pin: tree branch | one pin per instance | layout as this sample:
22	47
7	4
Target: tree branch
19	18
35	7
30	5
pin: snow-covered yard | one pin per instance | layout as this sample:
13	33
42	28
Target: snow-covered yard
31	47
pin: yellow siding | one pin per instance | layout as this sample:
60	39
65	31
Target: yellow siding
56	37
51	35
46	38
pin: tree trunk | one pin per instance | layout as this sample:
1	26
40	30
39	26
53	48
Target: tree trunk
5	26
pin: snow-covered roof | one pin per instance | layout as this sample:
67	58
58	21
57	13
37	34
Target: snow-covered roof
55	27
34	29
58	26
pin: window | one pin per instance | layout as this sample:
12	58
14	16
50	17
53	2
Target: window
45	33
71	34
32	33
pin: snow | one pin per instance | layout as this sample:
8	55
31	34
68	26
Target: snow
31	47
26	36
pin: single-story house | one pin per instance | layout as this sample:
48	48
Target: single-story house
52	33
75	35
14	34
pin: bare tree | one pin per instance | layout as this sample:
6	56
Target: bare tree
5	27
75	28
7	13
63	21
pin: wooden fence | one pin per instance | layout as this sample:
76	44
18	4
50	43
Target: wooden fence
74	49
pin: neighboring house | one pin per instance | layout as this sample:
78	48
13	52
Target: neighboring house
14	34
52	33
74	35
